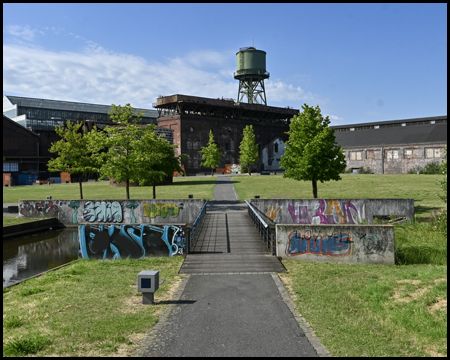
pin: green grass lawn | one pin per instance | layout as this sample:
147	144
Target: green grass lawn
88	308
422	188
372	310
9	220
200	187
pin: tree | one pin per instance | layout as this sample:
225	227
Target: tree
156	159
120	162
248	149
311	153
211	155
75	156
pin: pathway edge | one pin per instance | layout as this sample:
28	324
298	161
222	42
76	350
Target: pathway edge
312	338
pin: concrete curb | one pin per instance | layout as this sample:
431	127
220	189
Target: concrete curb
313	339
145	344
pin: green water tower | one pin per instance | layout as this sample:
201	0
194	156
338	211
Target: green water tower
251	72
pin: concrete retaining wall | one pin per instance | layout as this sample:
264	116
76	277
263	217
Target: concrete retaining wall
70	212
345	244
332	211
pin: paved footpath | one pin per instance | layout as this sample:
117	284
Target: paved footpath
238	309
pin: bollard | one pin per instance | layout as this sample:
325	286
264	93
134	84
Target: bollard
148	283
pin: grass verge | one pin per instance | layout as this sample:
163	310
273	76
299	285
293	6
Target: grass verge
200	187
88	308
422	188
372	310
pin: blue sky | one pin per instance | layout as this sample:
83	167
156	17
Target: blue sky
359	63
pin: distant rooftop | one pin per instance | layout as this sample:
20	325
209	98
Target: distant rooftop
69	105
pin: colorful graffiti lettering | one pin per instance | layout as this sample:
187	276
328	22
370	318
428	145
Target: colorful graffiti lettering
41	209
272	214
130	241
102	211
335	245
371	244
325	213
235	168
160	209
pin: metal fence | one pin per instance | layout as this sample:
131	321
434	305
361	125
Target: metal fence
264	229
195	228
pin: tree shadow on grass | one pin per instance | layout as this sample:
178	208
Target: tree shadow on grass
190	183
424	210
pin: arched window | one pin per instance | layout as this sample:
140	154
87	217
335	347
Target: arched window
275	147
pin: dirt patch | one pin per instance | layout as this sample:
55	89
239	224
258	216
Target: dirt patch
129	350
414	282
287	282
434	353
399	295
440	305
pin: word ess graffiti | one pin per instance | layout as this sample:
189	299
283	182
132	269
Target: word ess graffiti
102	211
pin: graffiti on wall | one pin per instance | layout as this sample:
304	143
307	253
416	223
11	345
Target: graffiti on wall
102	211
371	244
325	212
130	241
41	209
235	168
334	245
160	209
272	214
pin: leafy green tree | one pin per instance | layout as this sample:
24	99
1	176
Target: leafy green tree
156	159
248	149
120	162
75	155
211	155
311	153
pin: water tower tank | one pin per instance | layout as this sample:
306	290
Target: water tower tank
251	72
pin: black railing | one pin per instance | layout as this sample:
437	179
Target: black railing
264	229
195	228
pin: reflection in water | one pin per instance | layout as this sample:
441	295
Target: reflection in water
27	256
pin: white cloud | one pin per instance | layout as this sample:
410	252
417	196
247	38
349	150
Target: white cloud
24	32
100	76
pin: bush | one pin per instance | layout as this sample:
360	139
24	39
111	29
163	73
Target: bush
432	168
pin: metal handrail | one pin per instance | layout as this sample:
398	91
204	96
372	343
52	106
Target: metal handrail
264	229
196	226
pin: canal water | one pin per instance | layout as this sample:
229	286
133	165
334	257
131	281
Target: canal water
30	255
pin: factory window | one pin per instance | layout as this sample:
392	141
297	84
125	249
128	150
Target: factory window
408	154
392	154
10	167
229	132
432	122
192	129
275	147
373	154
433	153
227	146
355	155
376	127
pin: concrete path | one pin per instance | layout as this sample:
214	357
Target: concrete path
231	302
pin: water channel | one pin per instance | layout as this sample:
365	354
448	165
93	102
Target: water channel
29	255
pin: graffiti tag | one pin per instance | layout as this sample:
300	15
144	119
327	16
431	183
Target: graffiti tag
272	214
160	209
371	244
102	211
325	213
41	209
335	245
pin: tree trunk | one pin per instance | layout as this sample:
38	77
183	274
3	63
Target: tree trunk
154	189
81	186
128	189
314	184
248	169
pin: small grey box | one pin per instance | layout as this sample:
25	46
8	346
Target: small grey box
148	281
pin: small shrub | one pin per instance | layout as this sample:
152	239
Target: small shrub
438	220
31	291
21	347
12	322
